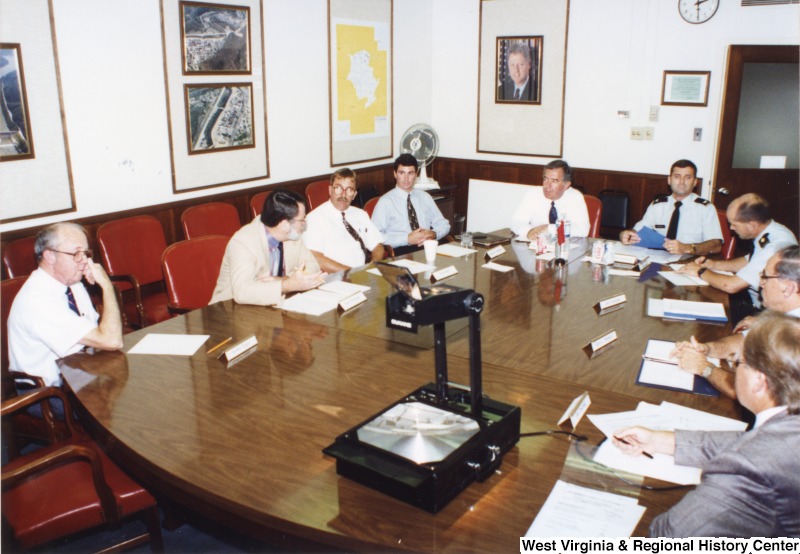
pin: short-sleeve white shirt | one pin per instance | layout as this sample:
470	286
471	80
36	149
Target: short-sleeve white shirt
327	234
777	238
534	210
42	328
698	221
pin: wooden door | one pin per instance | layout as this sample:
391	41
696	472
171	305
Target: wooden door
781	187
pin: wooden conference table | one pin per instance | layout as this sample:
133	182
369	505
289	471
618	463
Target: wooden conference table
243	444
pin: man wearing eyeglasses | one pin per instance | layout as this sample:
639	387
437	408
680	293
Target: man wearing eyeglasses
780	290
266	259
52	315
339	235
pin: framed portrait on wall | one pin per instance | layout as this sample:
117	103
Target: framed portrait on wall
16	140
519	69
219	117
215	39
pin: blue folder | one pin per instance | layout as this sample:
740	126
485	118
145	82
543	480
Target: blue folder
650	238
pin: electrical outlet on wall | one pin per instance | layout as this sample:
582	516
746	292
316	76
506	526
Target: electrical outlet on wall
648	133
697	136
636	133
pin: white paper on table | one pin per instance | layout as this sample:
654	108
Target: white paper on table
698	420
453	250
691	309
660	466
170	345
414	267
655	419
497	267
682	279
312	302
343	288
574	511
624	272
660	256
666	375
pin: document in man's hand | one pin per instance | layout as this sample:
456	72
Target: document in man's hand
659	370
650	238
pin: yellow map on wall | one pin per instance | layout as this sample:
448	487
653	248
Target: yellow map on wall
361	78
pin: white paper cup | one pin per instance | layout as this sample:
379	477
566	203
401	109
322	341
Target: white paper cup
430	250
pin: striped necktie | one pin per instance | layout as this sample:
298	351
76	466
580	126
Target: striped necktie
412	215
71	301
355	235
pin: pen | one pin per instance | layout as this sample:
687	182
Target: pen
623	441
660	360
221	344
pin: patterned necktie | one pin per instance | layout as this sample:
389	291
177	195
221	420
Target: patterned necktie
672	230
71	301
412	215
516	94
553	217
355	235
276	260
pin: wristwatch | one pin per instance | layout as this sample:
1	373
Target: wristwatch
708	371
693	249
701	271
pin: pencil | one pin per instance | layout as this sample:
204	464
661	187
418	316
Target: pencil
623	441
218	346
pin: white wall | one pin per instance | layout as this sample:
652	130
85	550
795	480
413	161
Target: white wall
113	87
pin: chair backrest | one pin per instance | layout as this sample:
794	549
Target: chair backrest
369	207
257	202
212	218
10	288
19	257
364	195
615	208
595	208
133	246
729	239
317	193
191	268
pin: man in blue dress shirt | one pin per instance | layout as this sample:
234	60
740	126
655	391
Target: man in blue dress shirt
405	216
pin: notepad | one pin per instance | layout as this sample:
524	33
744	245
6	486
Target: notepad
682	279
686	310
658	370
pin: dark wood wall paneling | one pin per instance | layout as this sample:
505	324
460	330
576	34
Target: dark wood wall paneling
447	171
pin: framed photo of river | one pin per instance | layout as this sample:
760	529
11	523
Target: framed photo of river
219	117
215	39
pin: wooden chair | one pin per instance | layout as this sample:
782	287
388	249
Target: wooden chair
317	194
69	486
595	208
257	202
191	268
728	238
19	258
211	218
369	207
131	249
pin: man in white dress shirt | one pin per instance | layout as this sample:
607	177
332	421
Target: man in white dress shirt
52	315
690	224
553	201
339	235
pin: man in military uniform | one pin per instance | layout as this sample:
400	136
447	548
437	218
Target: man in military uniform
749	218
689	223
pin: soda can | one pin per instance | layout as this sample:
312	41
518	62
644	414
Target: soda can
598	249
541	243
597	273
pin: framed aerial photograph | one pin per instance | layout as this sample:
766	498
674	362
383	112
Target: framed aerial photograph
519	69
219	117
16	141
215	39
685	88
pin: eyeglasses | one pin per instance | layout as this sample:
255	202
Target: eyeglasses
763	276
78	256
302	222
735	363
339	189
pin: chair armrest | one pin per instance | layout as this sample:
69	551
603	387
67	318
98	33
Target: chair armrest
50	459
176	310
40	395
388	251
137	295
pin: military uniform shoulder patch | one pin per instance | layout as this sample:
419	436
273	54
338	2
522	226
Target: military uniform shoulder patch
763	241
702	201
660	198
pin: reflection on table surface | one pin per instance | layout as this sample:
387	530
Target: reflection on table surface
242	443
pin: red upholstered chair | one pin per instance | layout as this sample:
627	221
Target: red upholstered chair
369	207
212	218
131	248
729	239
595	208
317	193
257	202
19	258
69	486
191	268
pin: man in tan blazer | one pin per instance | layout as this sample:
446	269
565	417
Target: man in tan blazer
266	259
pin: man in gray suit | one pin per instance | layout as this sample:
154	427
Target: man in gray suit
750	486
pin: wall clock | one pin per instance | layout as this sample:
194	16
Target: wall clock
697	11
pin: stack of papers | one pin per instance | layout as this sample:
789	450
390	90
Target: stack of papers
322	299
573	511
682	279
686	310
661	371
663	417
659	256
170	345
453	250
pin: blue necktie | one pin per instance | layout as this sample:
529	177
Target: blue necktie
71	301
553	212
